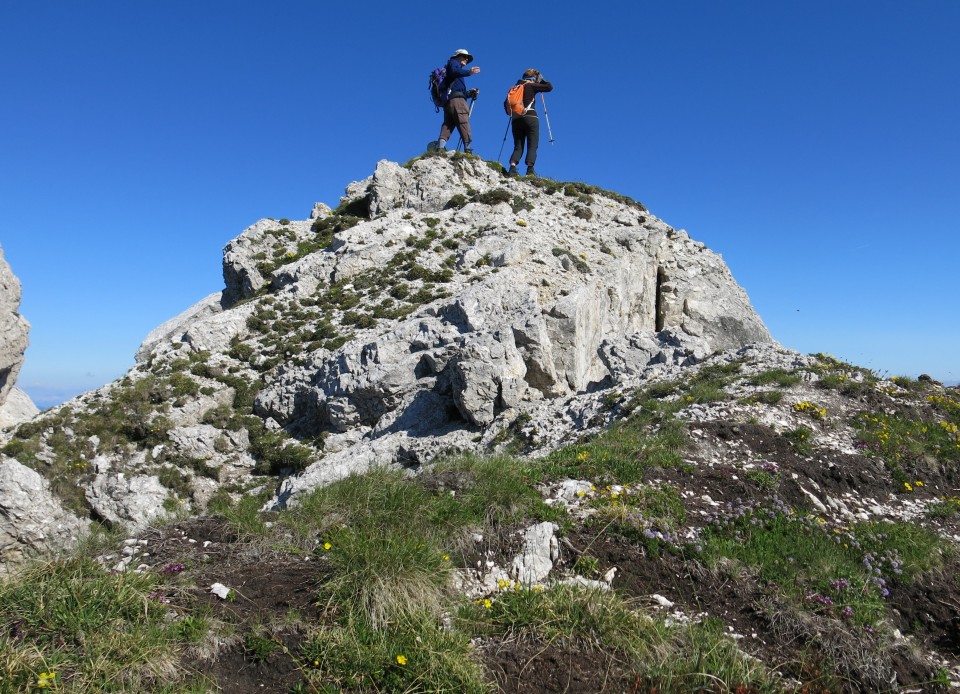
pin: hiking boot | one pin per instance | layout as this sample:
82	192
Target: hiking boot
513	171
467	150
530	171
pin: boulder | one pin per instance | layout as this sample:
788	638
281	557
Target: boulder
128	501
17	408
32	520
13	330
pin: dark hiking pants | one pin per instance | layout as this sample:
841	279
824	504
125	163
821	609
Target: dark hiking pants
525	129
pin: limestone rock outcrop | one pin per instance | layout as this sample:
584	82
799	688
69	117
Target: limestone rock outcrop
439	305
32	520
13	329
17	408
13	343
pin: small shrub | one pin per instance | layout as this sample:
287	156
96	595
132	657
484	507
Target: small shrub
456	202
519	204
183	385
494	196
259	646
767	397
274	451
801	439
780	377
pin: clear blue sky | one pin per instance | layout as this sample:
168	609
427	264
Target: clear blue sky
813	144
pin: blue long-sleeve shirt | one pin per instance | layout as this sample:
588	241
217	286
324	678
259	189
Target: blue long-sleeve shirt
455	74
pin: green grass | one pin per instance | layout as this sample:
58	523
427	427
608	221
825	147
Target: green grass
841	376
383	574
778	377
415	655
665	658
647	516
842	572
947	508
911	448
582	191
95	630
801	439
242	515
446	501
489	491
649	437
766	397
392	540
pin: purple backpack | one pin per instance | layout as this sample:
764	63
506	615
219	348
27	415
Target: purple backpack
438	87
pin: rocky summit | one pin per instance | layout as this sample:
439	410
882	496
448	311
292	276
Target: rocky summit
574	444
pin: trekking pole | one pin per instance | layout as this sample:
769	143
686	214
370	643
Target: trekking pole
469	113
509	120
546	117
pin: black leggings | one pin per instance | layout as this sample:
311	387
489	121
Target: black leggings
525	128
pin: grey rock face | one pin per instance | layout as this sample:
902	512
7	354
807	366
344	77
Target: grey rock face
13	329
559	305
247	257
176	327
32	521
458	305
545	302
132	501
17	408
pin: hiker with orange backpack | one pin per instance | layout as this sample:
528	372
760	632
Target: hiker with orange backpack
456	113
521	106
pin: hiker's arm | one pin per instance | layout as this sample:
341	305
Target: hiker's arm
458	70
542	86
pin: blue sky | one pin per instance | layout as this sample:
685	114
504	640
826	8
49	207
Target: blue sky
814	145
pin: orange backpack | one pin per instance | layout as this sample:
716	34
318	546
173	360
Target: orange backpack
513	104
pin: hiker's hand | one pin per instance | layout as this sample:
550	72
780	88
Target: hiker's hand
473	93
474	70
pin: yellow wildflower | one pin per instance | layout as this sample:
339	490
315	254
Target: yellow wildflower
401	660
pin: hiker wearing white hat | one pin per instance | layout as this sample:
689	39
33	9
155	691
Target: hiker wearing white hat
456	113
